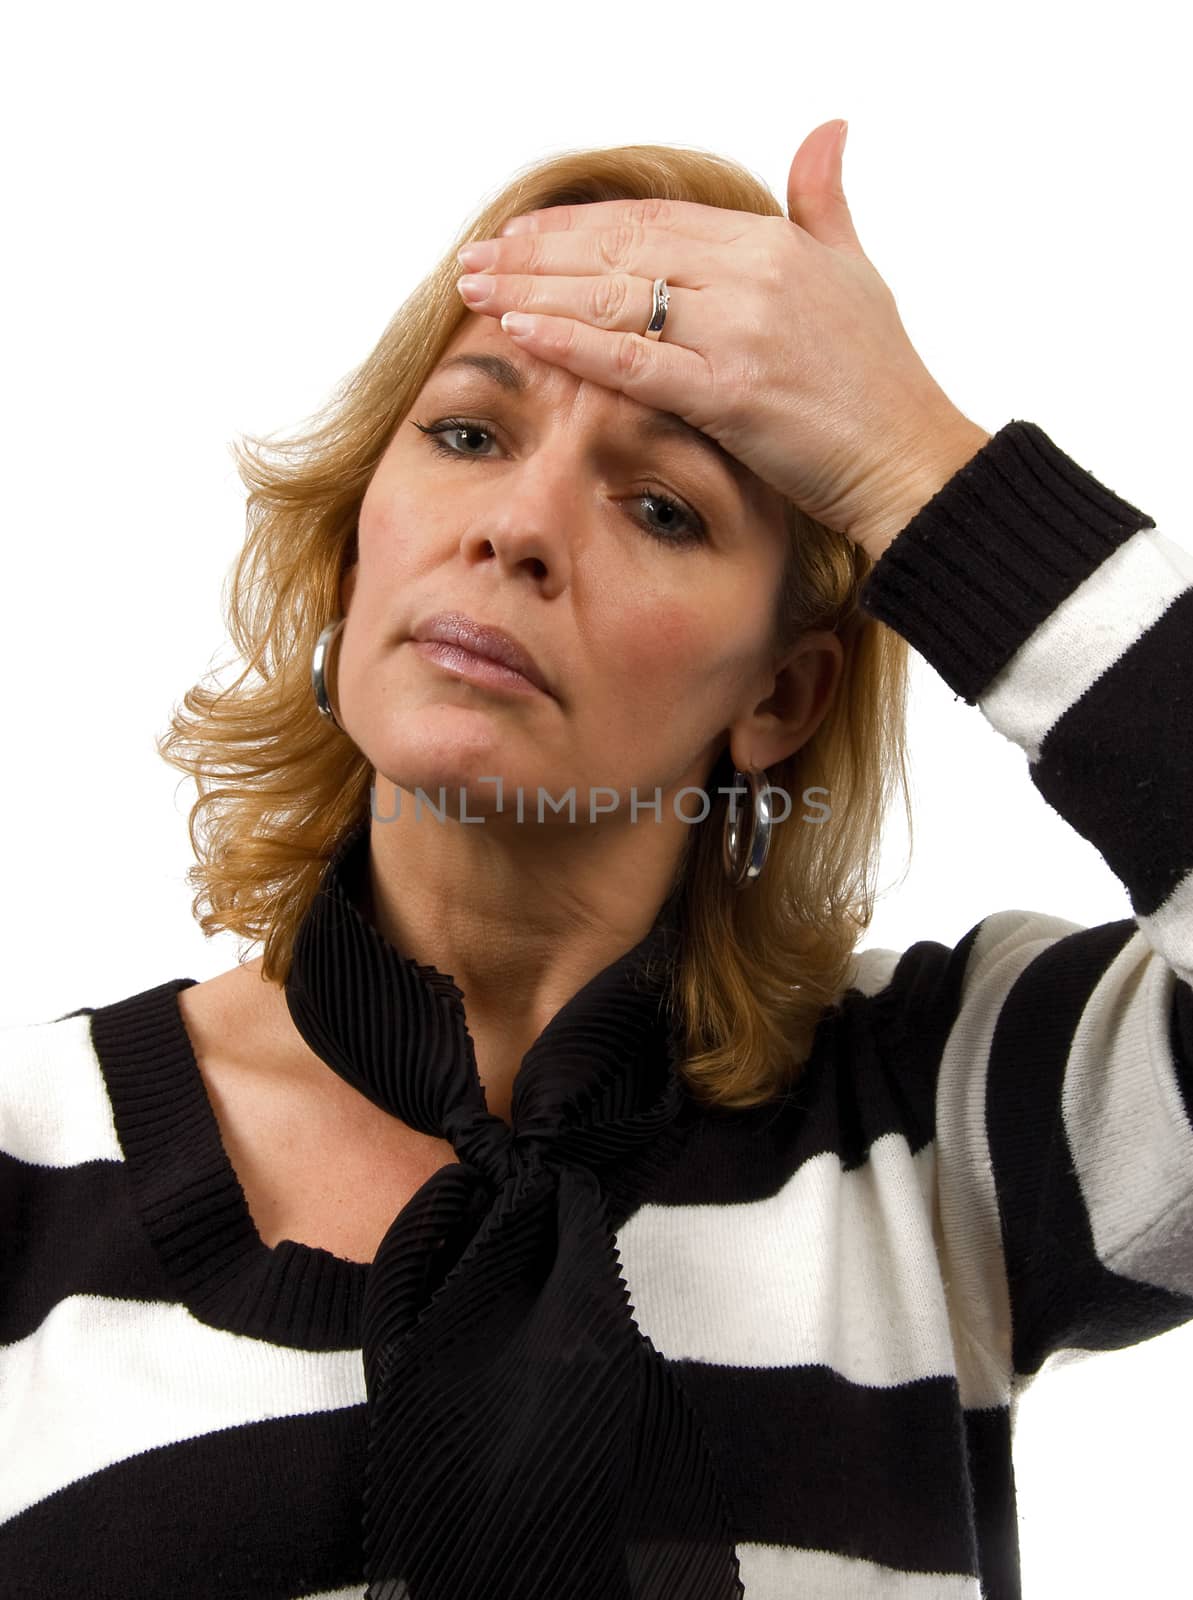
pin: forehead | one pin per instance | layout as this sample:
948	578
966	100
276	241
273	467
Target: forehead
480	348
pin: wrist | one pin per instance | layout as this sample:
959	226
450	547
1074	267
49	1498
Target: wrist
951	450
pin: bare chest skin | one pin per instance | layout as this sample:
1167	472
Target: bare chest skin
318	1162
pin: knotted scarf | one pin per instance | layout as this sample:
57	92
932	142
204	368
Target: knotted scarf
526	1441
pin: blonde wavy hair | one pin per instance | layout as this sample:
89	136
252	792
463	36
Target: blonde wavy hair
278	786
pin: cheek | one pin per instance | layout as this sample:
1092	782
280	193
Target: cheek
671	647
381	517
665	640
390	507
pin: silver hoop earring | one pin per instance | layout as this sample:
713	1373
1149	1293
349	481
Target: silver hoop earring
319	670
747	870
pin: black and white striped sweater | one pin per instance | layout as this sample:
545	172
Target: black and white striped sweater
988	1164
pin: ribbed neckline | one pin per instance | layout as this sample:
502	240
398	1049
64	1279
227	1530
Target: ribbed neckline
190	1199
192	1205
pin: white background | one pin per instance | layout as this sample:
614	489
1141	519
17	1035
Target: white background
213	213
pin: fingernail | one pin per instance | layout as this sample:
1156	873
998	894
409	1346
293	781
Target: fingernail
477	256
517	324
475	289
844	133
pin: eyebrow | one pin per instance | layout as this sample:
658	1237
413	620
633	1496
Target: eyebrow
657	425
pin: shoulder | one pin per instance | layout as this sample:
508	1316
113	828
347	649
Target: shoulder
227	1011
926	988
258	1070
53	1098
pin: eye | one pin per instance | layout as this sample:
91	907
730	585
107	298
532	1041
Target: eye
438	433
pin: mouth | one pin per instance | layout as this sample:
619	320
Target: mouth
478	669
470	645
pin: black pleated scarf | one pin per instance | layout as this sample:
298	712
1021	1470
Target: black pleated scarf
526	1440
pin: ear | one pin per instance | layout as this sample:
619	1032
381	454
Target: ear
348	586
805	683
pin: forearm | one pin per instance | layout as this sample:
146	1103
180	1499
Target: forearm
1064	1150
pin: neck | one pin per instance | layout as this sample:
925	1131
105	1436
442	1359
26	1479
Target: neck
519	921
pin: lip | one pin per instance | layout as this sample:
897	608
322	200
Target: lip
492	644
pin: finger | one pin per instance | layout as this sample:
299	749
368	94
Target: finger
676	217
815	193
662	376
618	302
644	252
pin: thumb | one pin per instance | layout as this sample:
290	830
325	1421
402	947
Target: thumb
815	196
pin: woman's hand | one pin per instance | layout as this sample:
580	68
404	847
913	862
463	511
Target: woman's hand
781	340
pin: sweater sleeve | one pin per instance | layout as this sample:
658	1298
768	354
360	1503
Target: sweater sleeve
1064	1087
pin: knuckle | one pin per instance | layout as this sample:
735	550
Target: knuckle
651	212
617	245
629	358
774	270
778	251
609	299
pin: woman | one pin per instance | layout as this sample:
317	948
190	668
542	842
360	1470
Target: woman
561	1205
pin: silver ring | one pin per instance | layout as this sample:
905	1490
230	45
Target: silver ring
660	300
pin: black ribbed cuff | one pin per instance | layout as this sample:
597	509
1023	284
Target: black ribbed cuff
993	553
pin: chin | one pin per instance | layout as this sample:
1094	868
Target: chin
453	789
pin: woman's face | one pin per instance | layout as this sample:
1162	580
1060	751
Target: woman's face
650	624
